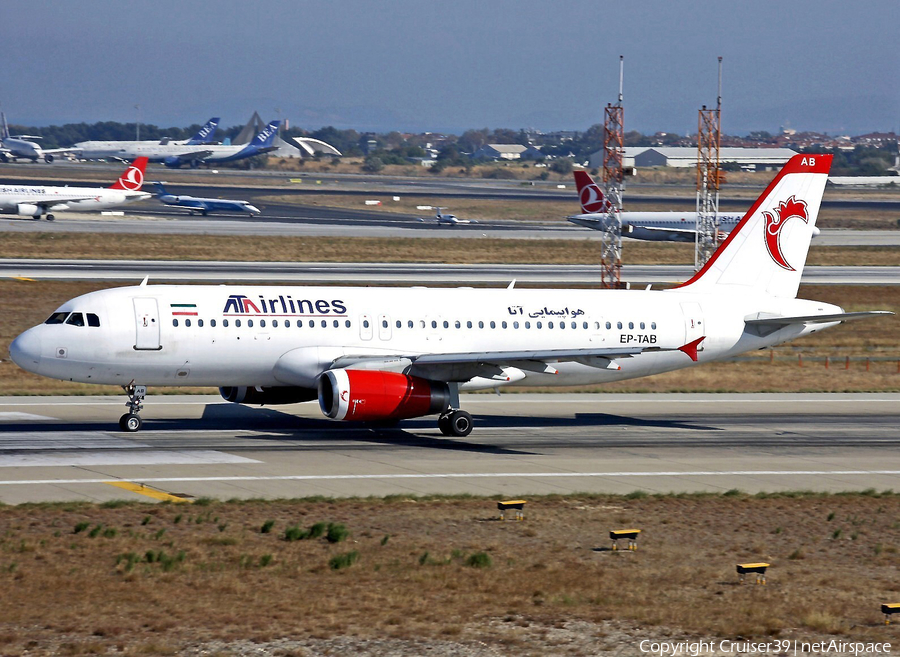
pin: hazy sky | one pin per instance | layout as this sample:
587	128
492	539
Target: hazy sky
415	65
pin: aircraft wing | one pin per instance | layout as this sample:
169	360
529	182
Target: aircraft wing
193	155
462	366
56	151
48	202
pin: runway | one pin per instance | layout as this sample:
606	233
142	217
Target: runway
308	221
68	448
310	273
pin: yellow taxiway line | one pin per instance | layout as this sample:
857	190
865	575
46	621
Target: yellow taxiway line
141	489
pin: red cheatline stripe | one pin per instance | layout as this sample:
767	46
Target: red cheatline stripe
183	313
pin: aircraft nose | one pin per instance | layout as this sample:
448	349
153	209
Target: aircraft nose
25	350
253	209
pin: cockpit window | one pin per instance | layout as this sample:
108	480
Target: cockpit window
57	318
76	319
93	320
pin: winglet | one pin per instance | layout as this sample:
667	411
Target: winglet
691	348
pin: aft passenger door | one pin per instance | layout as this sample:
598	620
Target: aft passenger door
146	320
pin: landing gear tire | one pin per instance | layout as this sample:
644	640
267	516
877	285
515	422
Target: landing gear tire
130	422
50	217
456	423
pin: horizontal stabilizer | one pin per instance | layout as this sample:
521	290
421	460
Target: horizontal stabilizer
760	320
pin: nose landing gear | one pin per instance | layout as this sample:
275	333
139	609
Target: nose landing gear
131	421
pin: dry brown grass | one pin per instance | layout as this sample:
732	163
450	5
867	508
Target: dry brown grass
875	339
555	567
331	249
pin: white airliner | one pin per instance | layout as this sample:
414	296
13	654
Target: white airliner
43	200
387	354
652	226
13	147
449	219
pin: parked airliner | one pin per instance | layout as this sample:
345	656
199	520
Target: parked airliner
176	155
13	147
43	200
125	150
203	205
387	354
653	226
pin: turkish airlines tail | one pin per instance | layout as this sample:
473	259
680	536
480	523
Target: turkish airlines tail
590	195
133	177
766	251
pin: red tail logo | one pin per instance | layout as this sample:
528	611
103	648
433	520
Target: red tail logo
590	195
775	222
133	178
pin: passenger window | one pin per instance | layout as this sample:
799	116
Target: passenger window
469	324
446	324
187	322
175	323
433	324
237	323
75	319
365	323
458	324
212	323
347	323
384	323
481	325
421	323
274	323
250	323
312	324
336	323
540	325
608	325
528	325
225	323
549	324
93	320
493	324
562	325
324	324
642	324
631	325
57	318
200	323
584	325
618	325
653	325
399	324
515	324
502	324
262	323
409	324
574	325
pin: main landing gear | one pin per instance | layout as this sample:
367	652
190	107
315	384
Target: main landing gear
455	423
131	421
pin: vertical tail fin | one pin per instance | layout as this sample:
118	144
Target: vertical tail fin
205	133
4	129
766	251
133	177
264	139
589	194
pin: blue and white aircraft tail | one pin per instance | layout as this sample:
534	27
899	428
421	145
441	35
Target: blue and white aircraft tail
262	143
204	135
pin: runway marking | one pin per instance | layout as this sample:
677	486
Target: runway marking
141	489
12	416
461	475
142	457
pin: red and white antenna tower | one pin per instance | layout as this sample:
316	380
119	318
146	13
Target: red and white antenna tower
614	178
709	178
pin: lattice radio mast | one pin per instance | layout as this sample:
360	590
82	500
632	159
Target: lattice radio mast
709	177
614	178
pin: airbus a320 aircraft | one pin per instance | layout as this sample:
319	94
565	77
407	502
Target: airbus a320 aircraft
13	147
386	354
652	226
43	200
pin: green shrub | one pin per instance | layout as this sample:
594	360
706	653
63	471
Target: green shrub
385	539
265	560
343	560
479	560
80	527
294	533
95	532
146	520
267	527
336	533
177	519
636	495
317	530
110	532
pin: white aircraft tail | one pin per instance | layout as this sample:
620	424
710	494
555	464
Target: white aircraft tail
766	251
4	129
